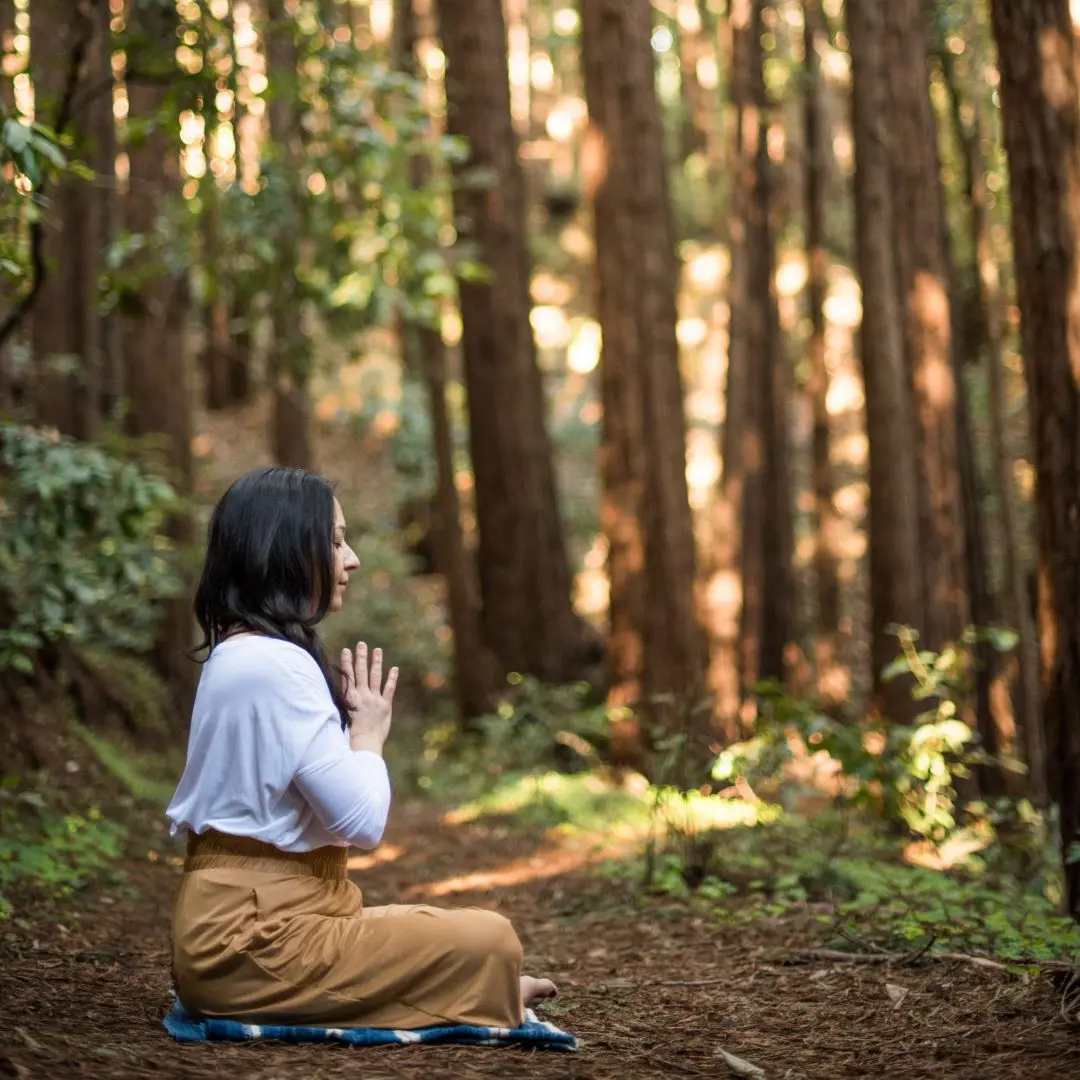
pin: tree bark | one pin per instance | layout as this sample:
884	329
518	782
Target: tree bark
241	306
68	53
656	645
981	339
289	360
8	390
157	374
103	162
752	527
525	583
216	346
698	104
896	592
474	665
1041	123
924	284
818	153
740	454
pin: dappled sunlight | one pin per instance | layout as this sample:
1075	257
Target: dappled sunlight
550	326
791	276
583	354
552	860
592	590
707	268
576	242
691	332
843	305
845	394
955	851
702	466
386	853
549	288
1058	83
850	500
853	450
583	800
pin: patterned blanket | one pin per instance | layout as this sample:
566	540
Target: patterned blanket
533	1034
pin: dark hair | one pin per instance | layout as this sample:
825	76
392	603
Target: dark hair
270	564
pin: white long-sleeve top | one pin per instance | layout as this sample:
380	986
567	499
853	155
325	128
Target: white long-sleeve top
267	757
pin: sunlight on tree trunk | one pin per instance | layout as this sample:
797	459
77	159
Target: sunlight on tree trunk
896	591
475	675
529	621
919	216
818	151
1041	123
656	647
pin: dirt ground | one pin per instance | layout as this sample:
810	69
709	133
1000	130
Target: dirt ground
650	989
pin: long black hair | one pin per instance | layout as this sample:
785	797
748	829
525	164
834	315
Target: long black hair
270	564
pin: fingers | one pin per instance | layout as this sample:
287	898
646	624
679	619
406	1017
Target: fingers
360	668
348	674
376	671
391	685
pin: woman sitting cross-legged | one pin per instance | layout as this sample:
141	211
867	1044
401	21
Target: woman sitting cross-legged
284	772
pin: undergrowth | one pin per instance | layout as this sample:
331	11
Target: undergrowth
59	838
888	859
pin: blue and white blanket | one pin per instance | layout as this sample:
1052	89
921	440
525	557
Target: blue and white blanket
533	1034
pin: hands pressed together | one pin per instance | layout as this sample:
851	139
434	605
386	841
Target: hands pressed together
369	701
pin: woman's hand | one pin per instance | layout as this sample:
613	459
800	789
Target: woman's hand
369	702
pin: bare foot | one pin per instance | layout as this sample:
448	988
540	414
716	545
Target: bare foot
533	991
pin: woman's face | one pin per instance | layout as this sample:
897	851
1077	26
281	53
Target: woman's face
345	560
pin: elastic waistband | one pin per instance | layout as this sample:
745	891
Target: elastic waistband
213	850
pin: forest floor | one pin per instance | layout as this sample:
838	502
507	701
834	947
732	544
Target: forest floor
651	988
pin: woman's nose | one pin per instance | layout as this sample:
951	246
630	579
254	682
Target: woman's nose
351	561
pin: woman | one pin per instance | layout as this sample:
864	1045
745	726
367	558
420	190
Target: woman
284	772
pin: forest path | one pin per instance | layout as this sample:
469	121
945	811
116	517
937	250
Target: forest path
652	989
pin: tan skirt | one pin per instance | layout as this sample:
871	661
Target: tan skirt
266	936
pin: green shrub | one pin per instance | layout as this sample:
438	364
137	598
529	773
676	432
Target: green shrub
906	771
49	852
83	551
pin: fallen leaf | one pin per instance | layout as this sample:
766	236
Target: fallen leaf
896	993
740	1067
27	1040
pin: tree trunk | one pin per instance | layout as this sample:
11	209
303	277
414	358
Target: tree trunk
1037	62
474	665
924	284
68	54
771	370
977	322
241	306
896	592
656	646
7	108
103	162
698	104
753	516
525	583
740	455
157	375
216	346
289	362
818	152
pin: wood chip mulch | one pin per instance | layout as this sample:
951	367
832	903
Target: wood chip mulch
651	989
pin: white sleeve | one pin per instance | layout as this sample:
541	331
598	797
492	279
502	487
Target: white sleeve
349	790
